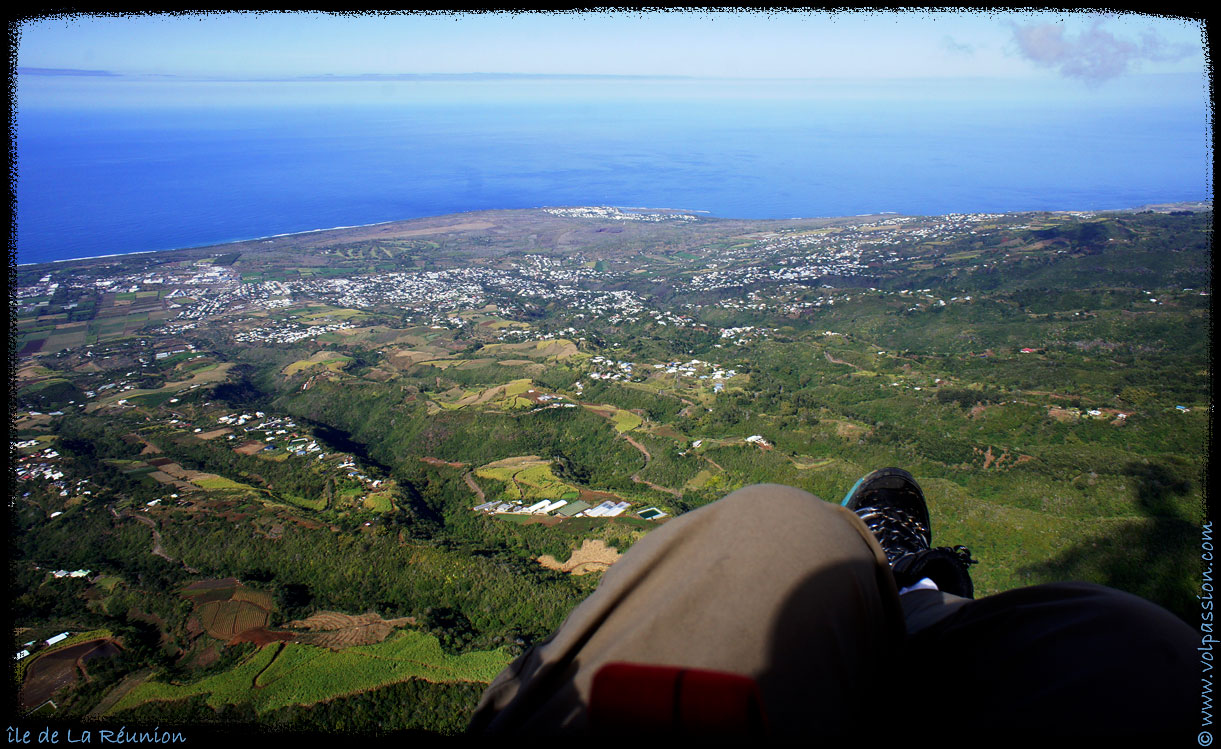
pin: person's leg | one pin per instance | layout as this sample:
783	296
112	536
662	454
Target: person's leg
924	608
1057	659
770	583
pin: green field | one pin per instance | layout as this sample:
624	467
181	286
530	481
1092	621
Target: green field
219	482
294	674
625	421
527	480
330	360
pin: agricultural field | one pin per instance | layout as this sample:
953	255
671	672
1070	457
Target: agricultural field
294	674
329	629
329	360
624	421
527	479
225	610
61	668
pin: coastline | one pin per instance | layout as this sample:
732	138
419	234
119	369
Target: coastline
1186	204
211	244
281	235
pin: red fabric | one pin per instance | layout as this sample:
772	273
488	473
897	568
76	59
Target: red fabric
645	698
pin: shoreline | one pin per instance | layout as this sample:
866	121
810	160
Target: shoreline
328	228
1148	206
213	244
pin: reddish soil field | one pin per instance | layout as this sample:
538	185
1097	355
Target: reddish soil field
207	656
226	619
596	498
543	520
57	670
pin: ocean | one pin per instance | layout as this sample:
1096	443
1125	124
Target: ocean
144	173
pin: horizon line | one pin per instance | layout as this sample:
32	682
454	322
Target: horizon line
48	72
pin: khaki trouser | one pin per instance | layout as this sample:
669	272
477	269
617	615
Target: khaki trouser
773	583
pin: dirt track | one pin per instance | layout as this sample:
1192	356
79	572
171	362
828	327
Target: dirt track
593	556
647	458
158	549
470	481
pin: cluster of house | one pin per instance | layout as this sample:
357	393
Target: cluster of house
561	507
433	291
610	369
288	332
614	214
271	430
241	419
173	350
841	260
448	289
216	279
805	255
41	464
665	317
697	368
520	335
32	645
740	336
356	474
570	270
210	276
74	573
43	287
122	385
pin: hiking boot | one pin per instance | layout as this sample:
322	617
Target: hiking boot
892	506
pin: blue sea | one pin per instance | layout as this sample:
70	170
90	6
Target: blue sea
132	172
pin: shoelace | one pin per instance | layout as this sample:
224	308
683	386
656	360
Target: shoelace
963	554
897	530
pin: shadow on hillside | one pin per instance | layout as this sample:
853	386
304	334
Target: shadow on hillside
1156	558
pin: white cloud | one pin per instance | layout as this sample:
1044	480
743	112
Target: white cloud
1094	55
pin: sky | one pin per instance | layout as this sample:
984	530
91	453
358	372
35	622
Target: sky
1089	48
